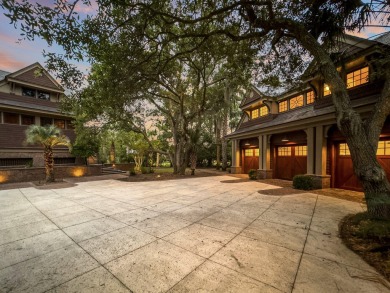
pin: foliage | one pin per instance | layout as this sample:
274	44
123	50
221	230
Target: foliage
370	228
173	53
303	182
48	137
88	142
252	173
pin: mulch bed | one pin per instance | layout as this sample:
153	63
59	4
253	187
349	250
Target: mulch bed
374	250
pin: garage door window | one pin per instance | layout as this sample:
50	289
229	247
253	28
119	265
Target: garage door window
248	153
383	148
284	151
301	150
344	150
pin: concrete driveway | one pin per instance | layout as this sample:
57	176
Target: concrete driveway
188	235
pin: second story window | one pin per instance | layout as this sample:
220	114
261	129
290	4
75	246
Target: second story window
254	113
28	92
263	110
327	91
46	121
43	96
283	106
10	118
310	97
357	77
28	120
59	123
296	102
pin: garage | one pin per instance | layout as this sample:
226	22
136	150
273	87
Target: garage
251	159
290	161
344	175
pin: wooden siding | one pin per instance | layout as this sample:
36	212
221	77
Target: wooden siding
13	136
30	77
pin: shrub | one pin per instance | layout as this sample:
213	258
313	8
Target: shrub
252	174
229	170
146	170
303	182
132	173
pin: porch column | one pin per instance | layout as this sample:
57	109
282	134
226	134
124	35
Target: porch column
261	152
264	157
320	158
236	164
310	150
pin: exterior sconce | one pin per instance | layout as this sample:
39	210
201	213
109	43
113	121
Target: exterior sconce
285	139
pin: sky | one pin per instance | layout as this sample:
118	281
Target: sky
16	54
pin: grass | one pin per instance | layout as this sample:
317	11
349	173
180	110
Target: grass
370	238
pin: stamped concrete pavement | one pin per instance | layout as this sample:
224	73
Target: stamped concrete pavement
183	235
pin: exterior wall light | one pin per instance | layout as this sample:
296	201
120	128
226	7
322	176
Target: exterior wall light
285	139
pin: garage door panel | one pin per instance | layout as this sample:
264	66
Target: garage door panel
290	161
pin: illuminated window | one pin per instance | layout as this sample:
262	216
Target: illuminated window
263	111
284	151
310	97
301	150
59	123
383	148
327	91
256	152
255	113
248	153
283	106
296	102
344	150
357	77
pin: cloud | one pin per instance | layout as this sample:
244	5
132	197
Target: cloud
9	63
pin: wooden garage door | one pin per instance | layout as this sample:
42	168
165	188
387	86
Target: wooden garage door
290	161
251	159
345	178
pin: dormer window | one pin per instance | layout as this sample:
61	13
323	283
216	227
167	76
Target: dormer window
283	106
296	102
310	97
357	77
259	112
28	92
327	90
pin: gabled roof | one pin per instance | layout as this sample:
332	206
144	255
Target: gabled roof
34	74
384	38
3	74
253	95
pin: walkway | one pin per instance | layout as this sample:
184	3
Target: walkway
178	236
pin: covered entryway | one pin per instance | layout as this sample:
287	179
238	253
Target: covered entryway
345	177
251	159
290	161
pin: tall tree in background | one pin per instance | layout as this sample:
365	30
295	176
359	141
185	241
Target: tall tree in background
287	35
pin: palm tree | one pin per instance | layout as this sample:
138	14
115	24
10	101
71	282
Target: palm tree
48	137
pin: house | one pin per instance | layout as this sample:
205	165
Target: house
30	96
296	133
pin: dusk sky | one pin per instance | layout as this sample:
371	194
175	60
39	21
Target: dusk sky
15	54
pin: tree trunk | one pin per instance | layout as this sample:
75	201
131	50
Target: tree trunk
158	160
225	121
49	164
193	158
112	153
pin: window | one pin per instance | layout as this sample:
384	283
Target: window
69	124
296	102
357	77
46	121
28	120
327	91
29	92
301	150
383	148
263	110
255	113
43	96
283	106
11	118
59	123
248	153
284	151
344	149
310	97
256	152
